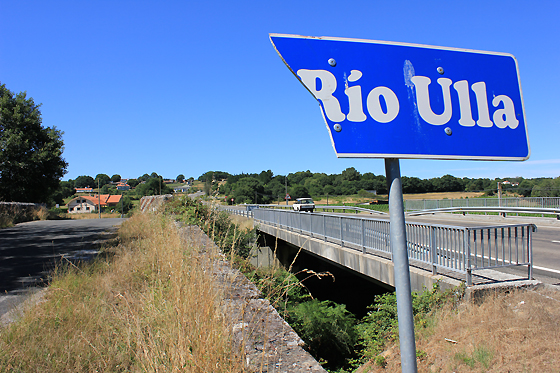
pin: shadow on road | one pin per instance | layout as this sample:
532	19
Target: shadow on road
30	250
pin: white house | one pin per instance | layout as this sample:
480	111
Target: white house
181	189
82	205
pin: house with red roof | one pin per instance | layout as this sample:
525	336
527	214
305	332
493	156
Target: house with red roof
123	186
86	204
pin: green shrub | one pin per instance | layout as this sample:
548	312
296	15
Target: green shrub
381	323
327	328
217	225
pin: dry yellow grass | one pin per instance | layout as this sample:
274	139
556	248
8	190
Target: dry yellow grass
104	215
516	332
242	222
149	306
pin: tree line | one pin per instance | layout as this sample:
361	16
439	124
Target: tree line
265	187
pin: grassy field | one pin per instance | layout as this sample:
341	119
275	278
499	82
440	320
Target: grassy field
144	305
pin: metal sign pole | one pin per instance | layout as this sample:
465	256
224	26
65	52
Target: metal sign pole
400	261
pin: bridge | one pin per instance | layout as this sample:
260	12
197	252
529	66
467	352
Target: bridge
437	253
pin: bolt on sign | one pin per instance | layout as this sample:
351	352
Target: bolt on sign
397	100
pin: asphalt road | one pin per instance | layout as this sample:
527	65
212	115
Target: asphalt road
30	250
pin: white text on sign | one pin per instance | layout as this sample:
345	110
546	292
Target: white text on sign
503	116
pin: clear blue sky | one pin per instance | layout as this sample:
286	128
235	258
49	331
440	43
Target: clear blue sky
190	86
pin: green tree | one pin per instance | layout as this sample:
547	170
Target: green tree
298	191
245	189
84	181
329	189
545	188
276	189
180	178
265	177
350	174
116	178
152	188
65	190
208	185
102	179
314	186
31	162
125	205
216	175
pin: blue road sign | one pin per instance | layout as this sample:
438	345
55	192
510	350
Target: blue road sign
397	100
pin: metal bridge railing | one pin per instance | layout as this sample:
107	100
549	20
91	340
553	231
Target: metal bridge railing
458	249
235	211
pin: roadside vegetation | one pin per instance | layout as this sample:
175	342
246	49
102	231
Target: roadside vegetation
145	304
508	332
11	214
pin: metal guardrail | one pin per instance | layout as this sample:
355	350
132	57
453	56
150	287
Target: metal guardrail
327	208
241	212
501	210
459	249
530	202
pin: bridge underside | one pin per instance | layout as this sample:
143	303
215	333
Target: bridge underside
376	267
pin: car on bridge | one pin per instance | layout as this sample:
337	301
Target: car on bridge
304	204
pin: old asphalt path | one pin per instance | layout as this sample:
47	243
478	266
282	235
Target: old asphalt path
29	250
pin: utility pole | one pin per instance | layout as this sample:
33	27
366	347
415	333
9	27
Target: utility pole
99	197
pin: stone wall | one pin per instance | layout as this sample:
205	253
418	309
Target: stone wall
152	203
260	335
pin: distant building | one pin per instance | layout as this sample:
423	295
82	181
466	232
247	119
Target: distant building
84	190
123	186
181	189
